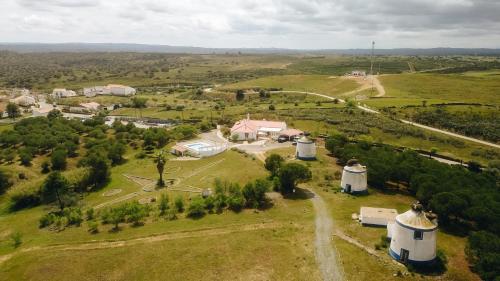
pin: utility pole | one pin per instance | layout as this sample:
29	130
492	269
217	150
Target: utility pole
371	63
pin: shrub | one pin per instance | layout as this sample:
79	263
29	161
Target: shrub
90	214
92	226
209	204
45	167
163	204
179	204
197	208
46	220
16	238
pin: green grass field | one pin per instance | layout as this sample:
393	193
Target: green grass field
269	244
323	84
450	87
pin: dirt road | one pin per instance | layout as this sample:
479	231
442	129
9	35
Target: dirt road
326	255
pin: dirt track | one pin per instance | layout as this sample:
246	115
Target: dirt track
326	255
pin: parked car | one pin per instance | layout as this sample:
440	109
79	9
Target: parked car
282	139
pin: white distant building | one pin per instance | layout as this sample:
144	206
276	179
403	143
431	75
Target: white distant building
111	89
24	100
306	149
63	93
354	178
247	129
358	73
413	237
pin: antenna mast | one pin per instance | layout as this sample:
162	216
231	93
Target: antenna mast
371	63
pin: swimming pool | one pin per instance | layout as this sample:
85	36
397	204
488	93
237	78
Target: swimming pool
199	146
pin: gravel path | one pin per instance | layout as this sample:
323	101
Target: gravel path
325	252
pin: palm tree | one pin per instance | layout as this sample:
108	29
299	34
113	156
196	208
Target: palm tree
160	166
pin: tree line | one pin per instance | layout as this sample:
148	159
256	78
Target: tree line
465	200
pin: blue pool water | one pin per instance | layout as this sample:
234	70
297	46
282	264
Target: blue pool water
197	146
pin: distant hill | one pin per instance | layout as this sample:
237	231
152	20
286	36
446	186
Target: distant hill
145	48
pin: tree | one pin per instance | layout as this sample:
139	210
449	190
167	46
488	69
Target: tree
446	204
116	152
160	166
99	172
335	141
273	163
291	174
262	93
116	216
53	114
9	155
240	95
139	103
56	187
255	193
13	110
272	107
25	155
5	182
58	159
136	212
235	200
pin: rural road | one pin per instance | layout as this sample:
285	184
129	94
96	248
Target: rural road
369	110
450	133
325	252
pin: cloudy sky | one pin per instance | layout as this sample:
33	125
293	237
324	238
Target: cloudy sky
310	24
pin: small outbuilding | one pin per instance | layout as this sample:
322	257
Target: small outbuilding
377	216
306	148
354	178
179	150
413	237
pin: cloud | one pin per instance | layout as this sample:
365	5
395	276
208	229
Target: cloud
248	23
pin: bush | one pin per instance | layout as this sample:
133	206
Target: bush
236	203
179	204
92	226
163	204
46	220
45	167
16	238
90	214
74	216
197	208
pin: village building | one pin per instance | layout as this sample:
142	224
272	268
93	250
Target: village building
63	93
306	149
248	129
110	89
354	178
413	237
24	100
358	73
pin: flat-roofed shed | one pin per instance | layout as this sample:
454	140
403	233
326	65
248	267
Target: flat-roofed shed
377	216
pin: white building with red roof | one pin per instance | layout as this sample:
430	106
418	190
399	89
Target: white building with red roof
248	129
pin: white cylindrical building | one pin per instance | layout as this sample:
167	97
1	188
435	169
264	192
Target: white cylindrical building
306	149
354	178
413	238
